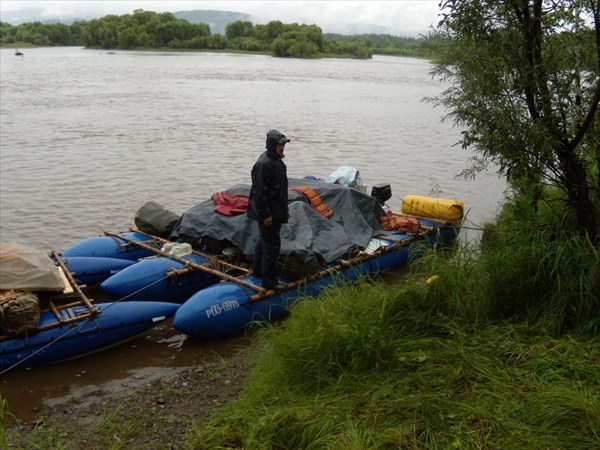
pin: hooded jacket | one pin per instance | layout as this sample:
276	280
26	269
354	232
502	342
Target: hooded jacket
269	192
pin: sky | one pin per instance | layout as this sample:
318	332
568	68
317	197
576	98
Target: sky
405	16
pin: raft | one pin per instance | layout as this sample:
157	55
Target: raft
221	297
227	308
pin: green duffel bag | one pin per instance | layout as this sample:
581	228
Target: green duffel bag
153	219
19	312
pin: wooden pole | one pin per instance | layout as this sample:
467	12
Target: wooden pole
191	264
196	252
74	284
346	263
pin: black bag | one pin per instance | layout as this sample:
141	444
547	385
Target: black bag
213	245
153	219
296	266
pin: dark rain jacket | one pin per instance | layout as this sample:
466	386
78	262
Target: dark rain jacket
269	192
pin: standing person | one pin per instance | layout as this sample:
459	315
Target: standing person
268	205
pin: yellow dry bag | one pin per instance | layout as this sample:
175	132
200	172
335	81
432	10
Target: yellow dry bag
438	208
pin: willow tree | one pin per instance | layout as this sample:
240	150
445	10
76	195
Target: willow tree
525	87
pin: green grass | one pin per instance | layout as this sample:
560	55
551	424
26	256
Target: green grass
501	351
3	414
370	367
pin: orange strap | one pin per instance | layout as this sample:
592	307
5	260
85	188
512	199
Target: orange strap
315	200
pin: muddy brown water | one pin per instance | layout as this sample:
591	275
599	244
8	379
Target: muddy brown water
87	137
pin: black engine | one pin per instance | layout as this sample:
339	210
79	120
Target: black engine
382	192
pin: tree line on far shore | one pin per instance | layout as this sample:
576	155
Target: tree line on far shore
151	30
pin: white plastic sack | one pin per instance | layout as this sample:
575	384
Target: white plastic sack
346	176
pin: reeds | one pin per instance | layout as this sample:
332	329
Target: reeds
3	414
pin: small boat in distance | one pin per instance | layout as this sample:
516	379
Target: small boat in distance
18	53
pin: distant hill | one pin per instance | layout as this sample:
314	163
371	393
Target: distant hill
217	20
357	28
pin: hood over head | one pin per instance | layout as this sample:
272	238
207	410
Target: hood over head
274	137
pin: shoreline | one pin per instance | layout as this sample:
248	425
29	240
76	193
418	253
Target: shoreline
164	408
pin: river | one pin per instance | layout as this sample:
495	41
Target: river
88	136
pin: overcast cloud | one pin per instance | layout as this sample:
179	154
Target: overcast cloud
407	17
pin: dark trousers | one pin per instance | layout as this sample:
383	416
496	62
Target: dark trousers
266	252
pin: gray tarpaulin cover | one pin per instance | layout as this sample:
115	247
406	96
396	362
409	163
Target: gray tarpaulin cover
356	219
23	267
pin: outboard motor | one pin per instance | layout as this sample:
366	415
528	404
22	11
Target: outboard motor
382	192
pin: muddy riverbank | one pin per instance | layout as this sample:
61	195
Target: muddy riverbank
153	411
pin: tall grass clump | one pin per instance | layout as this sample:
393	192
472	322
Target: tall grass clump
3	415
324	344
531	267
550	275
453	289
344	333
372	367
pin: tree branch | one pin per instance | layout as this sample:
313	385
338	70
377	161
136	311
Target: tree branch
587	123
590	116
524	19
